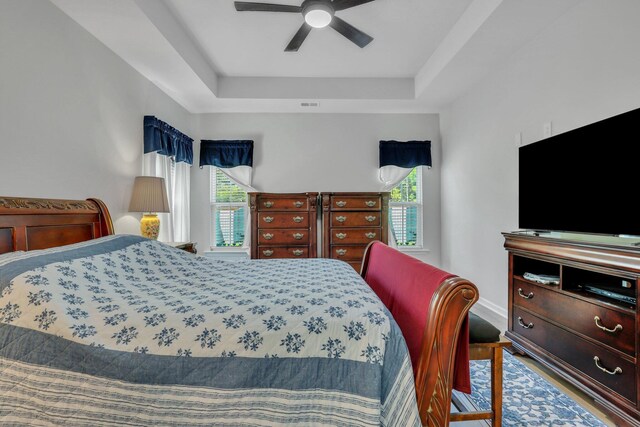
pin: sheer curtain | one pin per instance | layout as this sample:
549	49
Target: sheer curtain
234	158
397	160
169	154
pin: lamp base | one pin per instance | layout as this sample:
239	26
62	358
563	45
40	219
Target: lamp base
150	226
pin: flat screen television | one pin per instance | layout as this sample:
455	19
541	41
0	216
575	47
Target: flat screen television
586	180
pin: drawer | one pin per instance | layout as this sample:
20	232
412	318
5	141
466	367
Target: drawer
356	266
266	252
283	220
283	237
341	236
579	353
578	315
355	219
371	203
293	203
348	252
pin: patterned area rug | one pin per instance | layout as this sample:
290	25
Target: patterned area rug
528	399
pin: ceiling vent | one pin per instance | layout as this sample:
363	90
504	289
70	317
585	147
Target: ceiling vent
309	104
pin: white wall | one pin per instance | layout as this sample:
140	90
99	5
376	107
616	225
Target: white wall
582	68
71	111
319	152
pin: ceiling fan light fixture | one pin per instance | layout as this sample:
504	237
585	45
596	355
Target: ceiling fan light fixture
318	15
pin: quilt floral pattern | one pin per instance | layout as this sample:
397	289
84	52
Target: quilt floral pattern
150	298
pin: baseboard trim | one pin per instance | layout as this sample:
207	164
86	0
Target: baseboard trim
491	312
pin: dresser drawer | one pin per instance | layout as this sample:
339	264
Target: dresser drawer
578	315
355	219
283	237
578	353
355	203
356	265
283	220
341	236
292	203
266	252
347	253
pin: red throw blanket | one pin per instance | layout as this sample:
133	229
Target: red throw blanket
405	285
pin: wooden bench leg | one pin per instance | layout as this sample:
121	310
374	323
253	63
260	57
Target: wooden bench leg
493	353
496	387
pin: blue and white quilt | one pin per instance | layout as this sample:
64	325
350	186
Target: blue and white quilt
126	331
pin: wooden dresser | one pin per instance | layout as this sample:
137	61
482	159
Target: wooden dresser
283	225
350	221
589	339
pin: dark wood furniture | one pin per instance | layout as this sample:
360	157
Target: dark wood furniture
491	351
590	340
27	224
185	246
350	221
447	310
283	225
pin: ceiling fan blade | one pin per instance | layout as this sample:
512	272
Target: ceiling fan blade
297	40
250	6
346	4
350	32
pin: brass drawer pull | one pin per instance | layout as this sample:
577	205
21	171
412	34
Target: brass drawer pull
370	218
341	252
298	252
370	235
341	219
341	235
617	328
267	252
268	204
298	204
529	326
268	219
297	219
370	203
268	236
298	236
618	369
529	295
341	204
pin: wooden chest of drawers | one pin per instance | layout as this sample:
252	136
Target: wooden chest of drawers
283	225
589	339
350	222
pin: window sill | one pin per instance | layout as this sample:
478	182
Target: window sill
413	249
227	254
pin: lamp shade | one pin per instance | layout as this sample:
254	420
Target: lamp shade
149	195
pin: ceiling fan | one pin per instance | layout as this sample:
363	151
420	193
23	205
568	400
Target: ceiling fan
317	14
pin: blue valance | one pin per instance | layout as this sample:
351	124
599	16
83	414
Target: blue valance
226	154
160	137
405	154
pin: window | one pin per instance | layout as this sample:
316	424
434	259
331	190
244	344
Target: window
405	210
228	208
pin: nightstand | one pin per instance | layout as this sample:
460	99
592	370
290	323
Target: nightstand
185	246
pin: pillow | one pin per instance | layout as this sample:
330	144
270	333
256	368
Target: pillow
10	256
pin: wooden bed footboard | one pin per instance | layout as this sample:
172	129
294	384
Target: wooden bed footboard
29	224
434	374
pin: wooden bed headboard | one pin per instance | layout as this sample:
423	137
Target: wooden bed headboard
28	224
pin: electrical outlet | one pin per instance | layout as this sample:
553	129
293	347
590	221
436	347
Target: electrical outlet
546	130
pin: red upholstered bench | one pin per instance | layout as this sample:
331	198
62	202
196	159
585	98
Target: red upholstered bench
430	307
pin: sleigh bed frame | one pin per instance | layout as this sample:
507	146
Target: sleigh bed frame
31	224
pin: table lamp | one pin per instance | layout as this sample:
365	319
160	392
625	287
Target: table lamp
149	197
